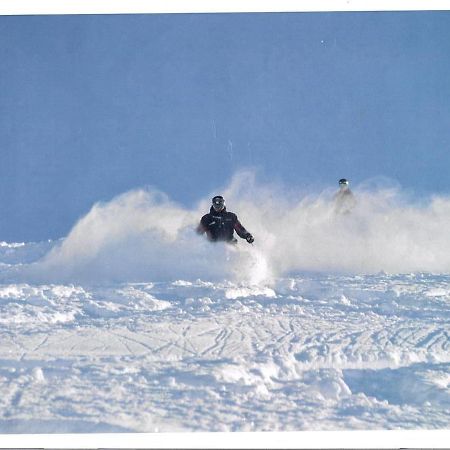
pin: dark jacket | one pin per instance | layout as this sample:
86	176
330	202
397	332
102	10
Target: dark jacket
220	226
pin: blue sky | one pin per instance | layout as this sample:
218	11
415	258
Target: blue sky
92	106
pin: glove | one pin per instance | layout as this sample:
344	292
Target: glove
249	238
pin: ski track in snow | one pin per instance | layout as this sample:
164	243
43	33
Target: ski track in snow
311	352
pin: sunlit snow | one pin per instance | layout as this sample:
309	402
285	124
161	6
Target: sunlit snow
133	323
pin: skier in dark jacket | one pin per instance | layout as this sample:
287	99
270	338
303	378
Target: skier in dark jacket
220	224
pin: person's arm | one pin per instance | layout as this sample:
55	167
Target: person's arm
200	229
203	228
242	232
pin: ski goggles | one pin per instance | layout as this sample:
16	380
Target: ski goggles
218	202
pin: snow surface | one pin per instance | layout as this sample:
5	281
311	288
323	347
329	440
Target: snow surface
135	324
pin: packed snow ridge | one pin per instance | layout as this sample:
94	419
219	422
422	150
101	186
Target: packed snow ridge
134	324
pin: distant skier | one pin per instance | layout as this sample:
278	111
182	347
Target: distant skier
220	224
344	200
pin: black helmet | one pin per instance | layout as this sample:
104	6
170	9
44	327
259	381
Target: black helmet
218	202
343	182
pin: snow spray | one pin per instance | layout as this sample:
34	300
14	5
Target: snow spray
142	235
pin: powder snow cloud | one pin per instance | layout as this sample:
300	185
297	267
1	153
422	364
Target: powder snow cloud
143	235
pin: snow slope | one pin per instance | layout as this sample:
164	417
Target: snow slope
313	352
96	336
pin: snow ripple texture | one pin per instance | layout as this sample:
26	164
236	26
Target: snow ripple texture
310	352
